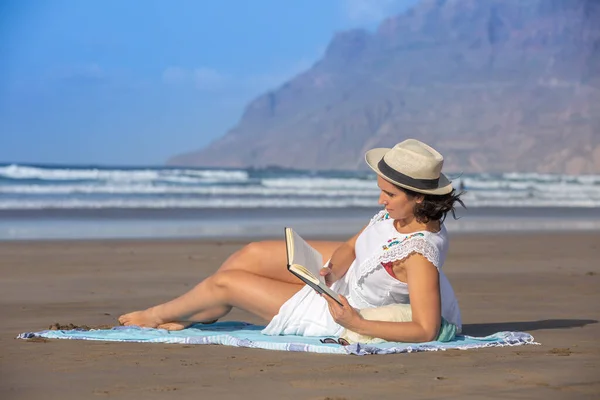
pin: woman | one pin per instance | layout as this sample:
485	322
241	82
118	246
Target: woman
402	247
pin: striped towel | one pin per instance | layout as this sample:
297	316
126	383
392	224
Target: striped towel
241	334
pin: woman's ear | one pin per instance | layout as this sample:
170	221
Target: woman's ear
420	199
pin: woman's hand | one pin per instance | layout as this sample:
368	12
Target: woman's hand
346	316
328	274
340	260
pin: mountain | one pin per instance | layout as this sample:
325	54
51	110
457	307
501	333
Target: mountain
495	85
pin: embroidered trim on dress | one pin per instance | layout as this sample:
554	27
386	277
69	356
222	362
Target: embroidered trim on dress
395	241
380	216
417	244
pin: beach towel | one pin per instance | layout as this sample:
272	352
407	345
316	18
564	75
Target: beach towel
241	334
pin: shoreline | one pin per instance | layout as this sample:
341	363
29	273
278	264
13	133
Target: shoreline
293	212
254	224
242	240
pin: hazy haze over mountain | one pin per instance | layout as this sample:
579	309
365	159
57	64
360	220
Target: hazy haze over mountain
495	85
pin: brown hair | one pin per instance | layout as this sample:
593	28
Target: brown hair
434	207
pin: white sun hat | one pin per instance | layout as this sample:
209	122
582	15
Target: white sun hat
411	164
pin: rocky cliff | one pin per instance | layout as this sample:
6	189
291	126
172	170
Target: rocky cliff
495	85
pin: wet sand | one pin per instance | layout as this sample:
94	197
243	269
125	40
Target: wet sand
545	284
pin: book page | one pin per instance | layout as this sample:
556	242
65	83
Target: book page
306	262
306	256
304	272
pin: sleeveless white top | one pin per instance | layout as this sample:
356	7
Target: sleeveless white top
367	283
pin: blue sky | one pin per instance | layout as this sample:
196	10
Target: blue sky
133	82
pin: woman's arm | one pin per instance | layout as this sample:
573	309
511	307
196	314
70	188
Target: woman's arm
424	293
340	261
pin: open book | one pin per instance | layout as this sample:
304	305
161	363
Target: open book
305	262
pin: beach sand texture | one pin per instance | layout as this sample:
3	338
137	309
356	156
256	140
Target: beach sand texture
545	284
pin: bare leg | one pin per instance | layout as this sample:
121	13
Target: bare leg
265	259
206	317
268	259
256	294
178	326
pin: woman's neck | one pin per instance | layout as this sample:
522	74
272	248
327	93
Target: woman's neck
409	225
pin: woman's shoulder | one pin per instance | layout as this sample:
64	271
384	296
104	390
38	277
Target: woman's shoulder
436	236
427	243
379	217
414	237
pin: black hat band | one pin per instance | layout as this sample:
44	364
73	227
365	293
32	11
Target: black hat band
399	177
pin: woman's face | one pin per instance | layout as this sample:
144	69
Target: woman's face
397	203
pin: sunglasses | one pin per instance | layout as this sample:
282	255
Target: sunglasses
341	341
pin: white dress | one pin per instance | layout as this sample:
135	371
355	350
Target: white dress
367	283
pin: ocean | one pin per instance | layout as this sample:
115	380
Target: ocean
86	202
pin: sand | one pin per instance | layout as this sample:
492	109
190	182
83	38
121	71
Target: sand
545	284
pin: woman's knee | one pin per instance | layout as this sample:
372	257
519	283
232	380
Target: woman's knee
252	252
259	250
253	249
224	280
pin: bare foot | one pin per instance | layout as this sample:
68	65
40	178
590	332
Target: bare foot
146	318
175	326
179	325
